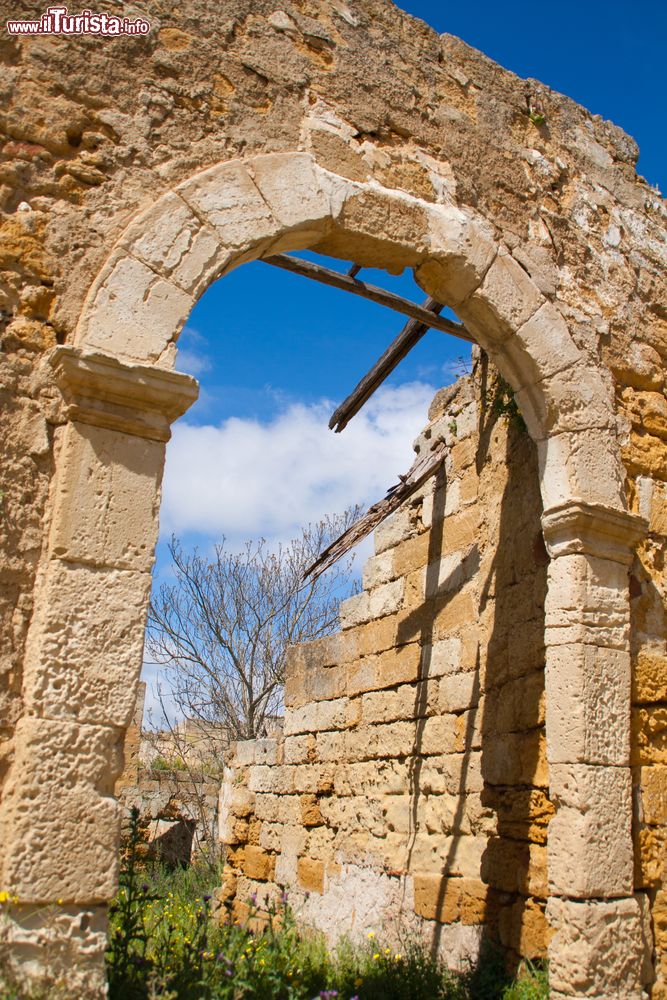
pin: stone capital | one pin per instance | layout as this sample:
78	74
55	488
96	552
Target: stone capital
592	529
141	400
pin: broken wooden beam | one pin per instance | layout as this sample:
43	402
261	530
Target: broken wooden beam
410	335
317	272
422	469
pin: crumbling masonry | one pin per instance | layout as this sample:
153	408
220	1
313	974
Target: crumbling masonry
486	739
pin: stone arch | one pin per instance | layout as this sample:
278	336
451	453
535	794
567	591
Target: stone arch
121	396
240	210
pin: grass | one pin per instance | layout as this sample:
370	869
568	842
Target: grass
165	943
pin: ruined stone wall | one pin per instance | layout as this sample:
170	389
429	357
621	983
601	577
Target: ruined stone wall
412	781
178	802
541	236
412	777
643	403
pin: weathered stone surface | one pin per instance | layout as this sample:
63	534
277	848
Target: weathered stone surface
106	505
597	948
60	824
584	683
129	210
590	841
80	664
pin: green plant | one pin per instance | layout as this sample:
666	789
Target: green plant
167	764
165	943
502	403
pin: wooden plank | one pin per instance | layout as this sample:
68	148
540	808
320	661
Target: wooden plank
380	295
410	335
422	469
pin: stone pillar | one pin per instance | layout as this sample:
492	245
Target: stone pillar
59	822
597	949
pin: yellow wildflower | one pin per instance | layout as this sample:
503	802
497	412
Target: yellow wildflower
397	957
371	934
376	956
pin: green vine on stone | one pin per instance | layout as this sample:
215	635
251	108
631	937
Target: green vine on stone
502	403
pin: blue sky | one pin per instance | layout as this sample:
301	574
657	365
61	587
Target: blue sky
275	353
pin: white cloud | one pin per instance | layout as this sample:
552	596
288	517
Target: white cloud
243	478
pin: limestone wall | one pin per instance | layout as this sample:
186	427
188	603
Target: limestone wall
412	779
413	775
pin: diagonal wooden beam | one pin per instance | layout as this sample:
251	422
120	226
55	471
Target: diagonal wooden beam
422	469
317	272
411	334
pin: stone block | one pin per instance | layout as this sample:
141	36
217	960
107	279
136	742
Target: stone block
258	863
398	666
597	949
134	313
515	866
395	739
506	299
409	555
173	242
438	735
523	927
311	814
659	913
518	705
451	572
227	198
395	529
590	840
454	773
650	856
460	254
454	855
649	734
437	897
107	498
580	463
458	612
377	570
458	692
311	874
317	716
299	749
542	347
516	759
355	610
290	184
386	599
85	644
649	675
587	601
66	944
571	400
409	701
461	534
588	691
523	813
653	789
60	823
444	657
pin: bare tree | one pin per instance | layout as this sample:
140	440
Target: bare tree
222	630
